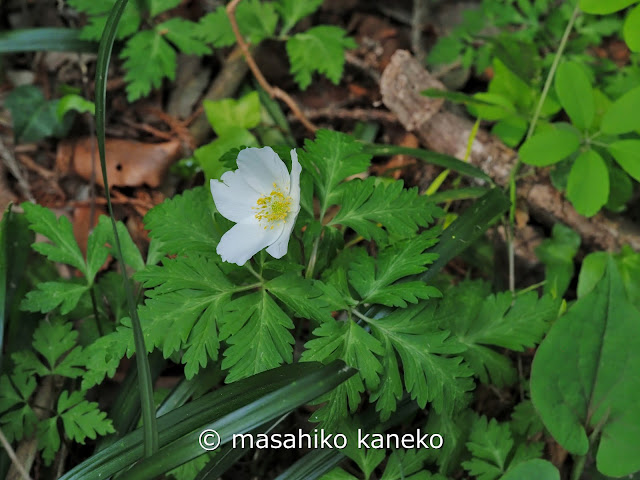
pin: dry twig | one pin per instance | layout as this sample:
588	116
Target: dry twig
274	92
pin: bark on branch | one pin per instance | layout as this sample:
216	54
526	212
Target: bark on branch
446	132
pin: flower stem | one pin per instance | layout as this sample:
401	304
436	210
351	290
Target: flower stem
248	266
312	258
532	126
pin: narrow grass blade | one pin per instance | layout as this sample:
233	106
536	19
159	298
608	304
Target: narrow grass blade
146	386
458	194
236	408
297	392
434	158
466	229
45	40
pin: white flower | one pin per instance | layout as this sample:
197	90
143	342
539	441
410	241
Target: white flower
264	201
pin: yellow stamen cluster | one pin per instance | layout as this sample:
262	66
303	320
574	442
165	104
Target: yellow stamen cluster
273	207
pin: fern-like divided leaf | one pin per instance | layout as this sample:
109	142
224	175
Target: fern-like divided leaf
349	342
374	279
375	209
172	223
329	159
319	49
481	321
433	370
184	307
493	450
257	331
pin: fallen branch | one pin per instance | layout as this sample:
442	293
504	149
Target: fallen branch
446	132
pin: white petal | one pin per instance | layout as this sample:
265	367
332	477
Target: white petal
294	192
278	249
234	198
243	241
261	168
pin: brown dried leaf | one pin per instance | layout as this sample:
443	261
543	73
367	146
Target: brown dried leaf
83	224
129	163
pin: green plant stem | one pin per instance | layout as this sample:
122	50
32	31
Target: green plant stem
94	304
253	272
532	127
150	428
313	257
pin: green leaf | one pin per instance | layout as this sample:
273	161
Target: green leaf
479	321
50	295
536	469
156	7
391	390
627	154
184	308
130	251
431	373
15	391
575	94
210	156
184	35
349	342
631	29
257	21
593	383
446	50
215	28
319	49
374	280
229	113
331	158
519	56
48	439
235	409
97	12
97	253
628	263
45	39
76	103
103	356
499	106
148	58
403	463
34	117
603	8
557	254
588	184
64	248
510	130
172	223
549	147
371	209
52	341
490	444
620	189
621	117
367	459
82	419
292	11
305	297
258	334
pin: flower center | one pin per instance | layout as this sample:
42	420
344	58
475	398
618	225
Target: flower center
273	207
